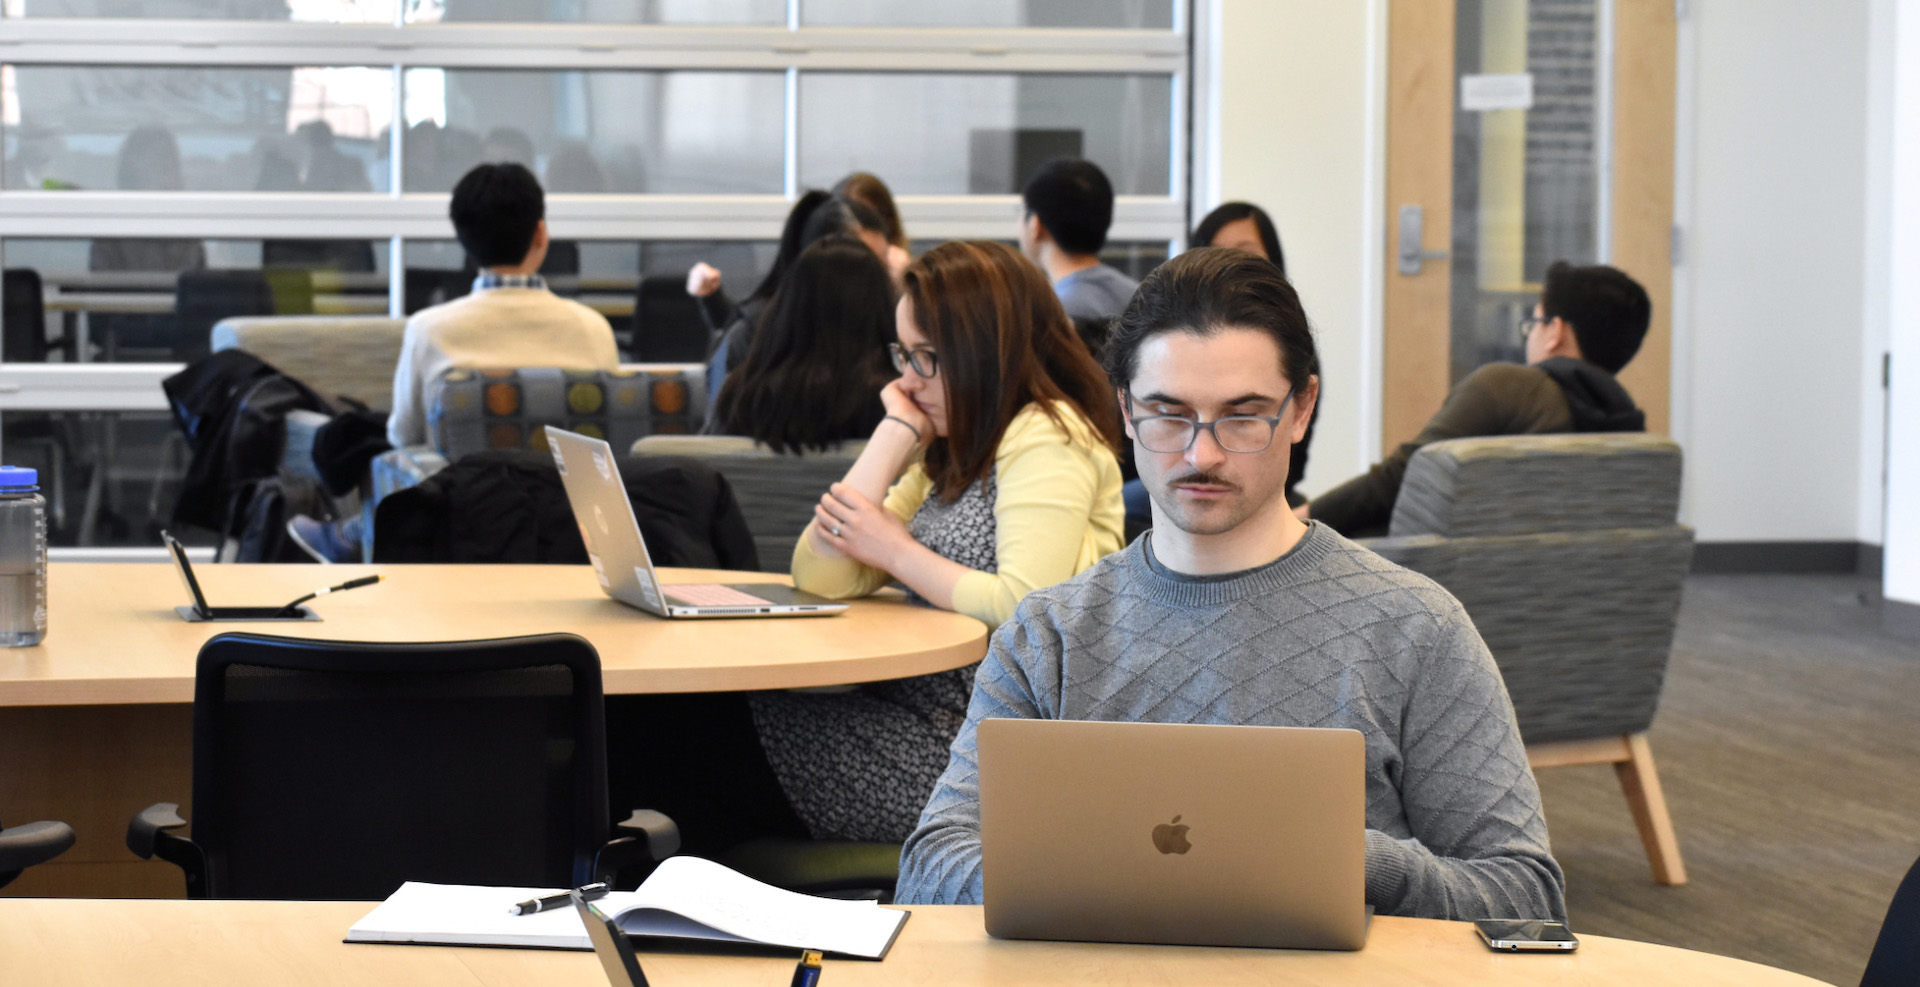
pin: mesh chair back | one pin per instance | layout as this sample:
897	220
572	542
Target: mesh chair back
1565	552
338	770
667	324
776	492
23	323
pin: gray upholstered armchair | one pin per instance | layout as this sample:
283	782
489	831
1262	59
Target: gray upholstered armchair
1565	551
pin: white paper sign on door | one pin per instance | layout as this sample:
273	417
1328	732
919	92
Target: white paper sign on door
1480	93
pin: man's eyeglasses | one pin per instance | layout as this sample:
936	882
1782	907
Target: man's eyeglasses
924	362
1528	324
1235	433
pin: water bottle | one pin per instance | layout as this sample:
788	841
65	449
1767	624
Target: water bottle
23	558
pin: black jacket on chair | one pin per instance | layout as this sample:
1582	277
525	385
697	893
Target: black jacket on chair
230	406
510	506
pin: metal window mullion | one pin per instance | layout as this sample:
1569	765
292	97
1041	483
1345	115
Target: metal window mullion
1603	133
790	147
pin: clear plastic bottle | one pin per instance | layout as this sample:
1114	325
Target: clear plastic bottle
23	558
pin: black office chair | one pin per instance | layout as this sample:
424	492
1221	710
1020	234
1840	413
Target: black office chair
338	770
667	324
34	843
202	298
1896	955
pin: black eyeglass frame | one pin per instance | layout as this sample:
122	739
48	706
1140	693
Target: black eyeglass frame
1195	426
903	358
1530	323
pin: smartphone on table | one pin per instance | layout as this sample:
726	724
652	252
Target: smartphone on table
1514	935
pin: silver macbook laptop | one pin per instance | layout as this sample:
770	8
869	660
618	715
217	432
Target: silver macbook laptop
619	555
1174	833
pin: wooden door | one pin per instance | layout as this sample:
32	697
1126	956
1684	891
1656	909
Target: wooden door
1502	190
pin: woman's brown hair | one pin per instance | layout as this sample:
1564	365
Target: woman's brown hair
868	190
1003	342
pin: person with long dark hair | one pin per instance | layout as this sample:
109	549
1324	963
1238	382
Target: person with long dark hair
992	475
814	216
814	367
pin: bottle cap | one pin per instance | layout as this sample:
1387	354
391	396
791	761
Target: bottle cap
16	476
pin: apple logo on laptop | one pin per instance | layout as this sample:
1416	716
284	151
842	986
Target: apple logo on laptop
1171	838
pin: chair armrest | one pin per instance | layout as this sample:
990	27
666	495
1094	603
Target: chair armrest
34	843
148	838
659	839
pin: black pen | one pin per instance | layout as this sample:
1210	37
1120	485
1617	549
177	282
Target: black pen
807	973
561	900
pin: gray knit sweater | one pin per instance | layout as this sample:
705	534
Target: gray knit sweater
1330	635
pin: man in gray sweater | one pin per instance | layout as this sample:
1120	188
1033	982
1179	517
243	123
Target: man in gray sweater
1232	610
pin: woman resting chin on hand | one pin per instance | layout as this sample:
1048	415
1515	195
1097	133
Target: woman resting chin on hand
992	475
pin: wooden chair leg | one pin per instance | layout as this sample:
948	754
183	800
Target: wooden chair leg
1641	783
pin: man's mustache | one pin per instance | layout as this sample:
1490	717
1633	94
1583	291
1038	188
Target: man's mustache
1203	477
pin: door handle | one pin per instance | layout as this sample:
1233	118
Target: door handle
1412	226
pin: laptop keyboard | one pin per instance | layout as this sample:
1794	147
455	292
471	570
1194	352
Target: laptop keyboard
713	595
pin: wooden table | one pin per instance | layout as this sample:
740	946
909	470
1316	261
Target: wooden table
52	943
95	722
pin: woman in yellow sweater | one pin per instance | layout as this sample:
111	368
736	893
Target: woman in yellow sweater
992	475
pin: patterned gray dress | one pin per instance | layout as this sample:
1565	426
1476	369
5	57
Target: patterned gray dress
859	765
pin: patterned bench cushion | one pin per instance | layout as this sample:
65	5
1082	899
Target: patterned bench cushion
475	410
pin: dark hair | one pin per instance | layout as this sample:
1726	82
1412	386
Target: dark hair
818	357
1609	312
838	215
868	190
1074	201
815	216
1233	212
1204	291
1003	343
496	209
790	242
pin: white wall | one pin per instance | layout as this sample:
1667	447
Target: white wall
1296	131
1773	256
1902	578
1777	337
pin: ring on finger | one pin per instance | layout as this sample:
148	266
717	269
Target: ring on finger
836	531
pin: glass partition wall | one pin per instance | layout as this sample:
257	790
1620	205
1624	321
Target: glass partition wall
151	146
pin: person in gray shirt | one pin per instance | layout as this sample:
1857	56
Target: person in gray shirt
1232	610
1068	206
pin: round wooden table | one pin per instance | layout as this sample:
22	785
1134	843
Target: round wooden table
53	943
96	721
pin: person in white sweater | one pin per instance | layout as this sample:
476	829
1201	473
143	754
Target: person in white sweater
509	320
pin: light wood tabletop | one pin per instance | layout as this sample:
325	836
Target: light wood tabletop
113	637
107	697
58	942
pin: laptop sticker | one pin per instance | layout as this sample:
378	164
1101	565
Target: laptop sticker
599	571
600	463
600	519
559	461
647	588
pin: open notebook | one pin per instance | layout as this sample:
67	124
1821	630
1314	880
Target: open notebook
685	898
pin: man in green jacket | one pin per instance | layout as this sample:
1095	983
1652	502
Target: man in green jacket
1589	323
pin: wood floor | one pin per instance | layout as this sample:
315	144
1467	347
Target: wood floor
1788	740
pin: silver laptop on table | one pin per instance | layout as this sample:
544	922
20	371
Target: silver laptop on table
619	555
1174	833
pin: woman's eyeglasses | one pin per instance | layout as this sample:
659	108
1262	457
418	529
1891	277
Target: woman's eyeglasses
924	362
